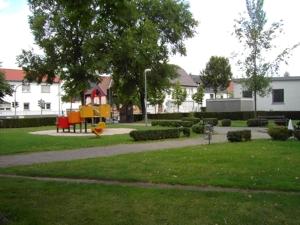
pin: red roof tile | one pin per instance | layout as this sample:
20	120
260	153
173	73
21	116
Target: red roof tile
17	75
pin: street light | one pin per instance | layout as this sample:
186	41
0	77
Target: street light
146	117
15	91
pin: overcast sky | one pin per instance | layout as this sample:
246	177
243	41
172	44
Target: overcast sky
214	33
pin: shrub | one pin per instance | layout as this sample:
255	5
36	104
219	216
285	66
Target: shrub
226	123
172	123
192	119
198	128
281	122
239	135
212	121
297	134
143	135
27	122
279	133
257	122
185	131
298	125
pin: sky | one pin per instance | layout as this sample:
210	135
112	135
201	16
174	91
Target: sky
213	38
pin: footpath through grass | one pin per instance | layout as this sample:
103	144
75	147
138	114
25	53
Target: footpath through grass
24	202
262	164
19	140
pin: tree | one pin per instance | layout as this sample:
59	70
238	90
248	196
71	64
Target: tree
198	96
157	30
5	88
156	97
217	74
74	37
257	39
178	95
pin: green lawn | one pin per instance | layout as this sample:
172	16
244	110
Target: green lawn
262	164
24	202
18	140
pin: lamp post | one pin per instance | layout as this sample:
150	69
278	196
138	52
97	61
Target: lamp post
145	100
15	98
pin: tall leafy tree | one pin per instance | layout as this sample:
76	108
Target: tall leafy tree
217	74
5	88
252	31
178	94
156	97
199	95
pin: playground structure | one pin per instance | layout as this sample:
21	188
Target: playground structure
85	114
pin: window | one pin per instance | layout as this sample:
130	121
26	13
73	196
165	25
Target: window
278	95
247	94
45	88
26	88
26	106
211	96
47	105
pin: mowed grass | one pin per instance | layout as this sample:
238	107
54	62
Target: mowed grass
19	140
262	164
27	202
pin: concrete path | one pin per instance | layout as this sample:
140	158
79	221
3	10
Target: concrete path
84	153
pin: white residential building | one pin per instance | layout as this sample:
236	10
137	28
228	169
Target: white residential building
284	95
28	95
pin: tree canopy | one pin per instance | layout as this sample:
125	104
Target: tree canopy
5	88
252	31
81	40
217	74
198	96
178	94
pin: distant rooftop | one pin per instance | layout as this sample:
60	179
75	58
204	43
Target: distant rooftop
184	78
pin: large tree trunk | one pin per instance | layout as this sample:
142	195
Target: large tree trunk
82	98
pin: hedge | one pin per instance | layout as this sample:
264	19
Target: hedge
226	123
172	123
297	134
27	122
220	115
257	122
239	135
279	133
192	119
143	135
198	128
212	121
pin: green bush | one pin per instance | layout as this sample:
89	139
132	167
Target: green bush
297	134
143	135
198	128
279	133
192	119
211	121
257	122
226	123
239	135
172	123
185	131
27	122
281	122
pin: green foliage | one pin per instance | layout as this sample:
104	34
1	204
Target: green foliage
211	121
257	40
239	135
192	119
27	122
217	74
279	133
226	123
281	122
198	96
178	95
185	131
156	97
172	123
297	134
257	122
5	88
198	128
143	135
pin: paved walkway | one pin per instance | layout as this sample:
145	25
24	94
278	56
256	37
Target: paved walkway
84	153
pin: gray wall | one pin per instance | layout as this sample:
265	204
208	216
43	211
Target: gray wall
229	105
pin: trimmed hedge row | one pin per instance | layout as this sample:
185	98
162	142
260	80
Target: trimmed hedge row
198	128
192	119
144	135
297	134
226	123
211	121
257	122
220	115
172	123
27	122
239	135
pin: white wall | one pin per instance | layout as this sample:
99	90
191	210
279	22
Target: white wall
291	96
